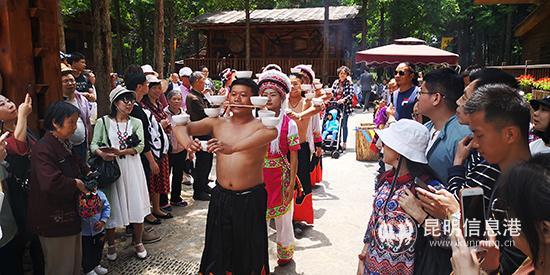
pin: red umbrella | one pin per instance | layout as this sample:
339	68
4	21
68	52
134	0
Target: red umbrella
406	50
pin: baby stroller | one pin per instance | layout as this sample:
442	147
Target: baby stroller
331	143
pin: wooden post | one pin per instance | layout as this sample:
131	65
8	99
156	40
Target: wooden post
325	42
27	67
103	53
247	18
158	37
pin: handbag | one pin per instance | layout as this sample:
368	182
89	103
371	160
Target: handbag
303	205
108	171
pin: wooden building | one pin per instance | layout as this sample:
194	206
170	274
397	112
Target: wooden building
533	31
534	34
286	37
29	54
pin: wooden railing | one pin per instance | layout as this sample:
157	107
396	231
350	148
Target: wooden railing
215	65
538	71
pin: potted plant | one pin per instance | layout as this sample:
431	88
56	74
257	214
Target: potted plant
541	88
526	82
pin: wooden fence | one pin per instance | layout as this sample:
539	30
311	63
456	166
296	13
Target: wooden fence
538	71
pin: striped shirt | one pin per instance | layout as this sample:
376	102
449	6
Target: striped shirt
477	172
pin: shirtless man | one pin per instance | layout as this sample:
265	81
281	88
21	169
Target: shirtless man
236	231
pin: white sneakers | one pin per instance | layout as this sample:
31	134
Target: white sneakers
111	253
99	270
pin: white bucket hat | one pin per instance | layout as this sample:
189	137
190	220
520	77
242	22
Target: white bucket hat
185	71
152	79
408	138
147	69
117	91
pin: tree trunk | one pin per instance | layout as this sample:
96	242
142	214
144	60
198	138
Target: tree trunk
325	41
382	38
365	24
142	35
60	28
171	39
158	36
118	41
102	53
508	38
247	42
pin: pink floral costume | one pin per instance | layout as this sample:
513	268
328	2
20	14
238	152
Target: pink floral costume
279	189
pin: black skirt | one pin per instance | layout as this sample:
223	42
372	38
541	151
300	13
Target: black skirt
236	233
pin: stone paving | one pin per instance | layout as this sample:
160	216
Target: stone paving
342	203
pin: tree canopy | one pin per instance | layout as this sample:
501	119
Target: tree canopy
478	33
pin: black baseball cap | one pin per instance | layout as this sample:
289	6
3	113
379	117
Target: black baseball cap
535	103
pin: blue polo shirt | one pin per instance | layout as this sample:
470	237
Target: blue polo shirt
442	153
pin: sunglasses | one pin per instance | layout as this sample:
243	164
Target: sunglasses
128	101
400	73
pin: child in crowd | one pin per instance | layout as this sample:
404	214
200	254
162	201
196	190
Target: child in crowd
95	211
332	126
380	114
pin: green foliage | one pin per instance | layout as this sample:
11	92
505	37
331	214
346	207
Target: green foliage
72	7
429	20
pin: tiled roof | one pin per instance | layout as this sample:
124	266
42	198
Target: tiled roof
278	16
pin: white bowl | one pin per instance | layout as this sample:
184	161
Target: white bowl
306	87
265	113
258	100
317	101
310	95
318	86
217	99
270	122
181	119
243	74
212	112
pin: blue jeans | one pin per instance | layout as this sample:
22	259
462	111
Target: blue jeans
344	128
365	99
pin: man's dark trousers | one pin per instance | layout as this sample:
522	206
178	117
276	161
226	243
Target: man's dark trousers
203	165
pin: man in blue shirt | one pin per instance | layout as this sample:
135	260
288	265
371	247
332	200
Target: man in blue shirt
405	97
437	100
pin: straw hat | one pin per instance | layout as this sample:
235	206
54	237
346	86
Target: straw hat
408	138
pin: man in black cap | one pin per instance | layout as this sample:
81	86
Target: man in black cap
541	126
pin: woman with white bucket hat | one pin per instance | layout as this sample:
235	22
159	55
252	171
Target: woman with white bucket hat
392	229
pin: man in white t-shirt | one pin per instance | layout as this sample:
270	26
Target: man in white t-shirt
79	139
541	126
